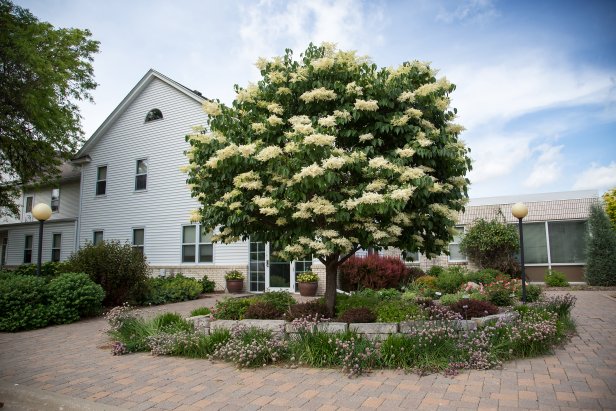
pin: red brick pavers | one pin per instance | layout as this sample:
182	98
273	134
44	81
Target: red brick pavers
67	360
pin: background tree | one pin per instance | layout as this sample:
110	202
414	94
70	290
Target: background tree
492	244
328	154
600	249
609	198
43	72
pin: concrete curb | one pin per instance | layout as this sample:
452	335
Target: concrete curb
22	397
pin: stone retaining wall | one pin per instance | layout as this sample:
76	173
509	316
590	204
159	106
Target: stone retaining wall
380	331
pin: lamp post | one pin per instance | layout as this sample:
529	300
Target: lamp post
519	211
41	212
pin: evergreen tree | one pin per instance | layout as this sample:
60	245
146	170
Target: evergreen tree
601	249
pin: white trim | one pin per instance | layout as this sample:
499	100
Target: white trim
132	241
449	260
547	244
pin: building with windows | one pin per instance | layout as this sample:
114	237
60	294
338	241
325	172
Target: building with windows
125	184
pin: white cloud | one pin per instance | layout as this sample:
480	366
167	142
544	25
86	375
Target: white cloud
547	168
471	11
597	177
499	89
496	156
270	26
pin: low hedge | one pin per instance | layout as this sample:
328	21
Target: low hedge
28	302
163	290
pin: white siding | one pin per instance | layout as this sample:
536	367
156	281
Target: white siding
165	206
231	254
17	239
69	203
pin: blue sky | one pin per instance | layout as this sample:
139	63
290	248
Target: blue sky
536	80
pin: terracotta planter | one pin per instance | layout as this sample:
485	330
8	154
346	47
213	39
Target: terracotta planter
308	289
235	286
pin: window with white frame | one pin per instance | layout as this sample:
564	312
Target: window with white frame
101	180
29	203
206	249
55	200
28	249
56	247
454	247
97	237
189	252
141	176
139	240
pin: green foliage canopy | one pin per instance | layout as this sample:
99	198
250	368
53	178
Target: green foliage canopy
330	154
609	198
44	71
492	244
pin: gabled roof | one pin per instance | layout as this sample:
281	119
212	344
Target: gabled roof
130	97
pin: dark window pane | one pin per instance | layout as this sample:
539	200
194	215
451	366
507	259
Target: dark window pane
567	241
188	253
141	182
101	173
138	236
56	241
29	241
55	255
101	187
154	114
142	166
29	201
55	199
535	243
206	253
98	237
27	256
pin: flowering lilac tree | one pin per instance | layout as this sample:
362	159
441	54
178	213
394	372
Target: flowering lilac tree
329	154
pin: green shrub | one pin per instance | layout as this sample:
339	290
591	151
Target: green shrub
207	285
396	311
170	323
162	290
484	276
344	302
533	293
492	244
232	308
121	271
435	271
73	296
555	278
449	299
450	280
426	281
49	269
200	311
23	302
281	300
358	315
600	249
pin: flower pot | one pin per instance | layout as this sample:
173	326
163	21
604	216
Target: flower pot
235	286
308	289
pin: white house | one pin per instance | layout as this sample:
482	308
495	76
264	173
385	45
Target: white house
125	184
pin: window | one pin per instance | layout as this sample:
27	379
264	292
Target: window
206	249
97	238
567	242
28	250
411	256
188	243
154	114
55	200
139	240
56	246
535	244
454	246
101	180
257	266
303	265
29	201
141	177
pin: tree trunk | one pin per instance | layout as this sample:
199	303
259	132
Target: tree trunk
331	282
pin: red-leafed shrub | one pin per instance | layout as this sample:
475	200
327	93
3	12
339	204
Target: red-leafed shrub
474	308
358	315
373	272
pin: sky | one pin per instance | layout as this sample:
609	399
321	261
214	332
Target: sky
536	80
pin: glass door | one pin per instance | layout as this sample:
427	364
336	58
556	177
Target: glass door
280	275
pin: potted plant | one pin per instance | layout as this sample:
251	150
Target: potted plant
235	281
308	283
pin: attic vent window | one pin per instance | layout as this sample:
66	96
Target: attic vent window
154	114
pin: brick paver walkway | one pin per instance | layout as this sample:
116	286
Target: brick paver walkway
67	360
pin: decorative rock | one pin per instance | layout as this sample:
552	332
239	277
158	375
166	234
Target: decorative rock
465	325
506	317
223	325
201	323
332	327
270	325
408	326
374	328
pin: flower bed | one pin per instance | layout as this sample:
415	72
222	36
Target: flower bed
438	340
